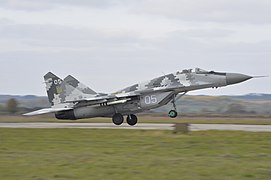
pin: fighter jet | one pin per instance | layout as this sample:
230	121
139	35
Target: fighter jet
72	100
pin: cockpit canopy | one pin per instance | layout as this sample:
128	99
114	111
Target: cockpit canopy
202	71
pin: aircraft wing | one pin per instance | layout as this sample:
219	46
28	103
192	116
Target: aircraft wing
46	111
70	105
110	99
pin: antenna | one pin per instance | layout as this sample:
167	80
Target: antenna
259	76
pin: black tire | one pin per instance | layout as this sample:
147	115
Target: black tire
117	119
173	114
131	119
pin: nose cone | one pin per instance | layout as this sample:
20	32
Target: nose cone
234	78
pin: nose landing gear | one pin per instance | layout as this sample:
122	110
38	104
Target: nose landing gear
173	113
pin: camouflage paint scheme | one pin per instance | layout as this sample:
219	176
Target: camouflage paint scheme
70	99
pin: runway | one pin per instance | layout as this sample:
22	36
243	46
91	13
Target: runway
192	127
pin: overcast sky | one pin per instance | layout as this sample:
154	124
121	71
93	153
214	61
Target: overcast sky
111	44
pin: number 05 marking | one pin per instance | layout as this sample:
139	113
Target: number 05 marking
57	81
150	99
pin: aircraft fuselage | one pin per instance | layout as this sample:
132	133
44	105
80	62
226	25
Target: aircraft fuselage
156	93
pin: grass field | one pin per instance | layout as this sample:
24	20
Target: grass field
148	119
42	154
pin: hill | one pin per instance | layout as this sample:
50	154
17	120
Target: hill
248	104
28	101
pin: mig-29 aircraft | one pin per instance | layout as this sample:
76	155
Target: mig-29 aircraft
71	100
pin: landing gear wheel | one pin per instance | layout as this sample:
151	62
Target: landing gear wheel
117	119
131	119
173	114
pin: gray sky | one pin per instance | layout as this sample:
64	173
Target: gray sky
111	44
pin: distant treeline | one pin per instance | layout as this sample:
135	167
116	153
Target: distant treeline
248	104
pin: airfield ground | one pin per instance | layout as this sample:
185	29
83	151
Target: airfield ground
41	154
262	120
133	154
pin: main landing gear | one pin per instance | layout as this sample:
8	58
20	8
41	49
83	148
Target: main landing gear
131	119
118	119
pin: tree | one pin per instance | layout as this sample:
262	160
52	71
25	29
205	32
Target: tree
2	108
12	106
236	108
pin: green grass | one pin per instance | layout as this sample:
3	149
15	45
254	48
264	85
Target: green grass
42	154
147	119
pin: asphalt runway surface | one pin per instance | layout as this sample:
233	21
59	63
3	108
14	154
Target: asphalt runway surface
192	127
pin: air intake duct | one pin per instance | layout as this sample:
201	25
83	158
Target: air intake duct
65	115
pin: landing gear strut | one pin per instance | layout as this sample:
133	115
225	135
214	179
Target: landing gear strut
117	119
173	113
131	119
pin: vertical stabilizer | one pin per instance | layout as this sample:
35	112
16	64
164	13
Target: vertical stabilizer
79	86
54	88
60	91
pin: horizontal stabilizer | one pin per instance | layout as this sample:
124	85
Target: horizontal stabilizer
46	111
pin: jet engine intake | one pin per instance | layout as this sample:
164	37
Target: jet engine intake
65	115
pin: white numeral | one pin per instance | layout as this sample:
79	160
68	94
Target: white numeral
57	81
150	99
